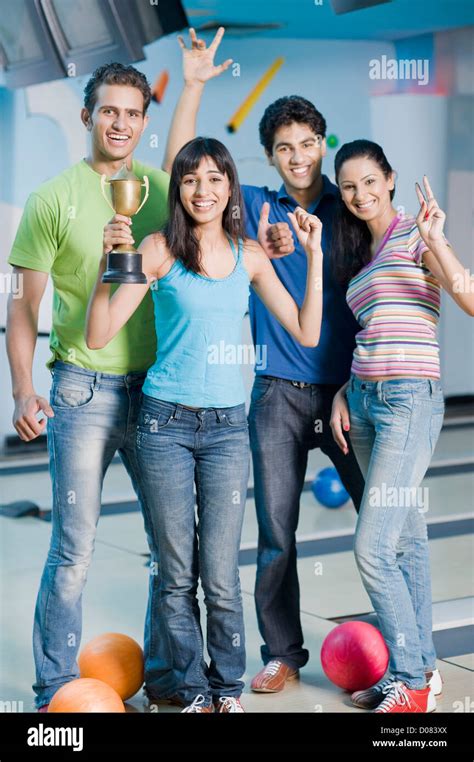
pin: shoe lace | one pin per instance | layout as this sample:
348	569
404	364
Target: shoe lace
197	705
272	667
230	704
385	685
396	694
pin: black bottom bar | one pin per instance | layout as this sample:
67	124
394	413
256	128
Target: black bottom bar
429	735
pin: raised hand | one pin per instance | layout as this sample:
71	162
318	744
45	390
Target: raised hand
277	239
430	219
198	61
308	229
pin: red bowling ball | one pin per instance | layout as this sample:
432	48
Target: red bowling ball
354	656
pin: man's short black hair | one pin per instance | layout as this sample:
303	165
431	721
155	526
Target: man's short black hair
284	111
116	74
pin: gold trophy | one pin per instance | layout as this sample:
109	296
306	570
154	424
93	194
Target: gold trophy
124	262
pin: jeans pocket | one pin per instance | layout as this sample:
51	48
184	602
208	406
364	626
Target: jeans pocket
150	423
235	419
399	403
262	390
69	395
436	424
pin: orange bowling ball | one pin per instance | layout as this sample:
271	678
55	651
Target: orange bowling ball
86	695
115	659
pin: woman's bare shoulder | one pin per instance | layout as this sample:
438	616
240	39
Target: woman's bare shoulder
254	257
252	246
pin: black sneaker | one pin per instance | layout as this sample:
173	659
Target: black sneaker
372	697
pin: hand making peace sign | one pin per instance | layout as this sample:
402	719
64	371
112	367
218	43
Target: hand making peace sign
430	219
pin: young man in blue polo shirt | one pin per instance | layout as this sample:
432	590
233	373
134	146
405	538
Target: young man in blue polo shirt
292	396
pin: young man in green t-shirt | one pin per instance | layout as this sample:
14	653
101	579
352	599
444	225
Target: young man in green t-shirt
95	394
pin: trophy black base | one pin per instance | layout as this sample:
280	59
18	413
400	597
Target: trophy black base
124	267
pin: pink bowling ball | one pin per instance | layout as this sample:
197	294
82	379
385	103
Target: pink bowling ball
354	656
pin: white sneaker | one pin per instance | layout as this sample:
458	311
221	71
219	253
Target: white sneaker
435	683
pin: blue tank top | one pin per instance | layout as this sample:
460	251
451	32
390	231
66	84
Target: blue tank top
198	324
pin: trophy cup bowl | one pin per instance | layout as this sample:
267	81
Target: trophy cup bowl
124	262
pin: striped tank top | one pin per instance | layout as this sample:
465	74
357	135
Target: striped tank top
396	300
198	323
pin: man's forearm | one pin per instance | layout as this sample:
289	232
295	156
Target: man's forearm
21	334
183	124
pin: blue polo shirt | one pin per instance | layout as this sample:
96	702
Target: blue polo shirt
330	361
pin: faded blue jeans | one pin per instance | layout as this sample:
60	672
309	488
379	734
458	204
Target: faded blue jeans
95	417
282	429
178	449
394	429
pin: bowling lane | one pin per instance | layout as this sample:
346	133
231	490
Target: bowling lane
115	600
331	587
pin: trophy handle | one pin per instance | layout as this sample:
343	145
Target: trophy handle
103	180
147	192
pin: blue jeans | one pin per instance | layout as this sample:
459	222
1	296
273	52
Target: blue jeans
178	449
394	429
95	416
286	422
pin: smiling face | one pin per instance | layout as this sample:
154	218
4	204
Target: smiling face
364	188
116	123
297	155
205	192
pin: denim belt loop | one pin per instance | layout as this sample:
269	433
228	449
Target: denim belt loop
352	383
97	378
380	390
432	386
177	412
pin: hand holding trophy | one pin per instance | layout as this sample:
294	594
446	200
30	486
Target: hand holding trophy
124	262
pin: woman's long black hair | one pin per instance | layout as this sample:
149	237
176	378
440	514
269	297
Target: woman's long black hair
180	230
351	238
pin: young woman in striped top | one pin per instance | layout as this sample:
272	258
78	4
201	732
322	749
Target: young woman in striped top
393	266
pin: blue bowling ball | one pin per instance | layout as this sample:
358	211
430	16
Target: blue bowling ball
328	488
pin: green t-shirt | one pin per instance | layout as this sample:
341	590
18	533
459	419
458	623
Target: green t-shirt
61	233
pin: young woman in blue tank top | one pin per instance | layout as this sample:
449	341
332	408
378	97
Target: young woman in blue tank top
192	429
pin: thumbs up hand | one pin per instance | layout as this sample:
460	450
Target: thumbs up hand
277	239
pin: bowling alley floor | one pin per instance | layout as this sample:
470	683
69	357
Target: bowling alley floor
331	591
